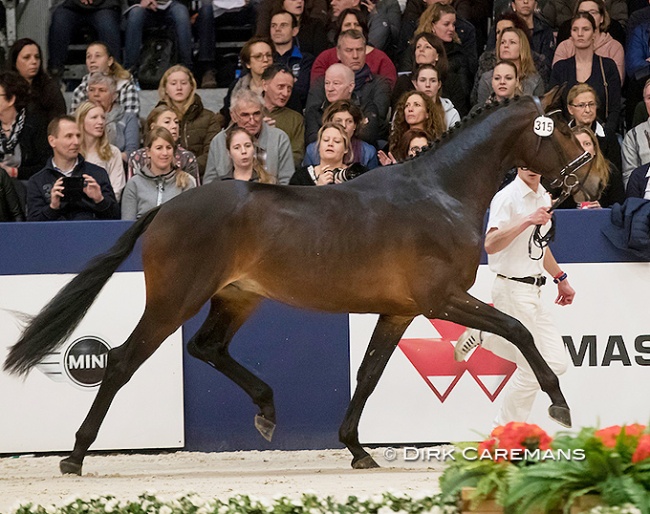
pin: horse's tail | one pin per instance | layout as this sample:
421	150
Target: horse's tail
58	319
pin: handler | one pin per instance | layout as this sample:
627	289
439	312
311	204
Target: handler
514	212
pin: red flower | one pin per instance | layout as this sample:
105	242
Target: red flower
610	435
517	436
643	449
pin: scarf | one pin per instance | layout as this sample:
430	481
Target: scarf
361	77
112	118
8	145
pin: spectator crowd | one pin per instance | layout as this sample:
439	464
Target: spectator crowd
327	91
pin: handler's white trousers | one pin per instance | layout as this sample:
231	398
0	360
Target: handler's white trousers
522	301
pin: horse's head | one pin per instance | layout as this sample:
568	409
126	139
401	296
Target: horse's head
549	147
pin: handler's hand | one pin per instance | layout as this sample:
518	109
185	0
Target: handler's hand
56	193
540	217
565	293
93	189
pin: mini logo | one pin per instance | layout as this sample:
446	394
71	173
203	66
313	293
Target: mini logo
85	361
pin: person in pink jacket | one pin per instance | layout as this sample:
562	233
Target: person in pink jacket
604	44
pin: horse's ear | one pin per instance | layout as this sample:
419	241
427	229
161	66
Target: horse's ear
553	99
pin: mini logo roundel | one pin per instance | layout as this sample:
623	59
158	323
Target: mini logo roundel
85	361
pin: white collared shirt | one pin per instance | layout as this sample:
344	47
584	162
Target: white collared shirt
647	186
67	173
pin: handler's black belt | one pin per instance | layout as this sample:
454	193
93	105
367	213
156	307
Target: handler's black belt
533	281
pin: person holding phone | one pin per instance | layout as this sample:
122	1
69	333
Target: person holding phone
69	188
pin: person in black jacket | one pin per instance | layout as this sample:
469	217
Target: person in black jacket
10	205
69	188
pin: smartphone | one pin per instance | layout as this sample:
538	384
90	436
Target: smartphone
73	188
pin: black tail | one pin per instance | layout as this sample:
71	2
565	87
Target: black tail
54	324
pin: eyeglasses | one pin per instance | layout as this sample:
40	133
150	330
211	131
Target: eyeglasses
262	57
416	149
582	106
250	115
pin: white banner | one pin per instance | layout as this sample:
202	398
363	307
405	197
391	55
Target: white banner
424	396
42	412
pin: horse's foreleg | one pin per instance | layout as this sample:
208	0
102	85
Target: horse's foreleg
385	339
229	309
123	361
467	310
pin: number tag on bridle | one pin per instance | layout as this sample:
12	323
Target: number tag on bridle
543	126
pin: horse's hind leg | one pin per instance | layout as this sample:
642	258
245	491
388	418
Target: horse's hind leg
385	339
123	361
229	309
467	310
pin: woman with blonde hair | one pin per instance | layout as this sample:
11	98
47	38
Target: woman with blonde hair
243	153
415	110
159	180
513	45
94	145
198	125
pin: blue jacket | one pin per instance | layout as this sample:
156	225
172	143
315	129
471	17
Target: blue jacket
638	182
40	185
630	227
637	51
300	65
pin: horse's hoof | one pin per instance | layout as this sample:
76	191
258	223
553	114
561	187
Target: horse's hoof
264	427
560	414
68	467
365	463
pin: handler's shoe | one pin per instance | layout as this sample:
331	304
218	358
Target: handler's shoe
468	340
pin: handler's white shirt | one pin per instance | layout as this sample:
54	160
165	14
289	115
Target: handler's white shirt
512	203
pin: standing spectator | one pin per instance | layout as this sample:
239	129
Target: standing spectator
100	60
636	144
243	154
68	16
604	44
542	38
164	116
513	46
51	196
348	115
415	110
158	180
122	127
587	67
278	84
428	80
384	17
145	13
23	136
199	125
284	32
45	97
378	62
94	145
273	146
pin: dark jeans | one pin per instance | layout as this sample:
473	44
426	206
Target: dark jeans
65	22
138	18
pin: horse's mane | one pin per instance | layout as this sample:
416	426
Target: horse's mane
469	120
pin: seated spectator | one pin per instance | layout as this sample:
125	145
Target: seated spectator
604	44
158	180
412	142
635	150
639	184
312	16
489	58
587	67
243	154
146	13
582	104
100	60
428	80
278	84
199	125
558	12
541	34
163	116
122	127
94	145
23	138
383	18
348	115
256	55
11	208
415	110
273	145
68	16
333	145
284	31
513	46
370	92
52	196
505	82
378	62
45	97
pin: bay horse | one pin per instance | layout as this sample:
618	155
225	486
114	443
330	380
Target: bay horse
401	241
